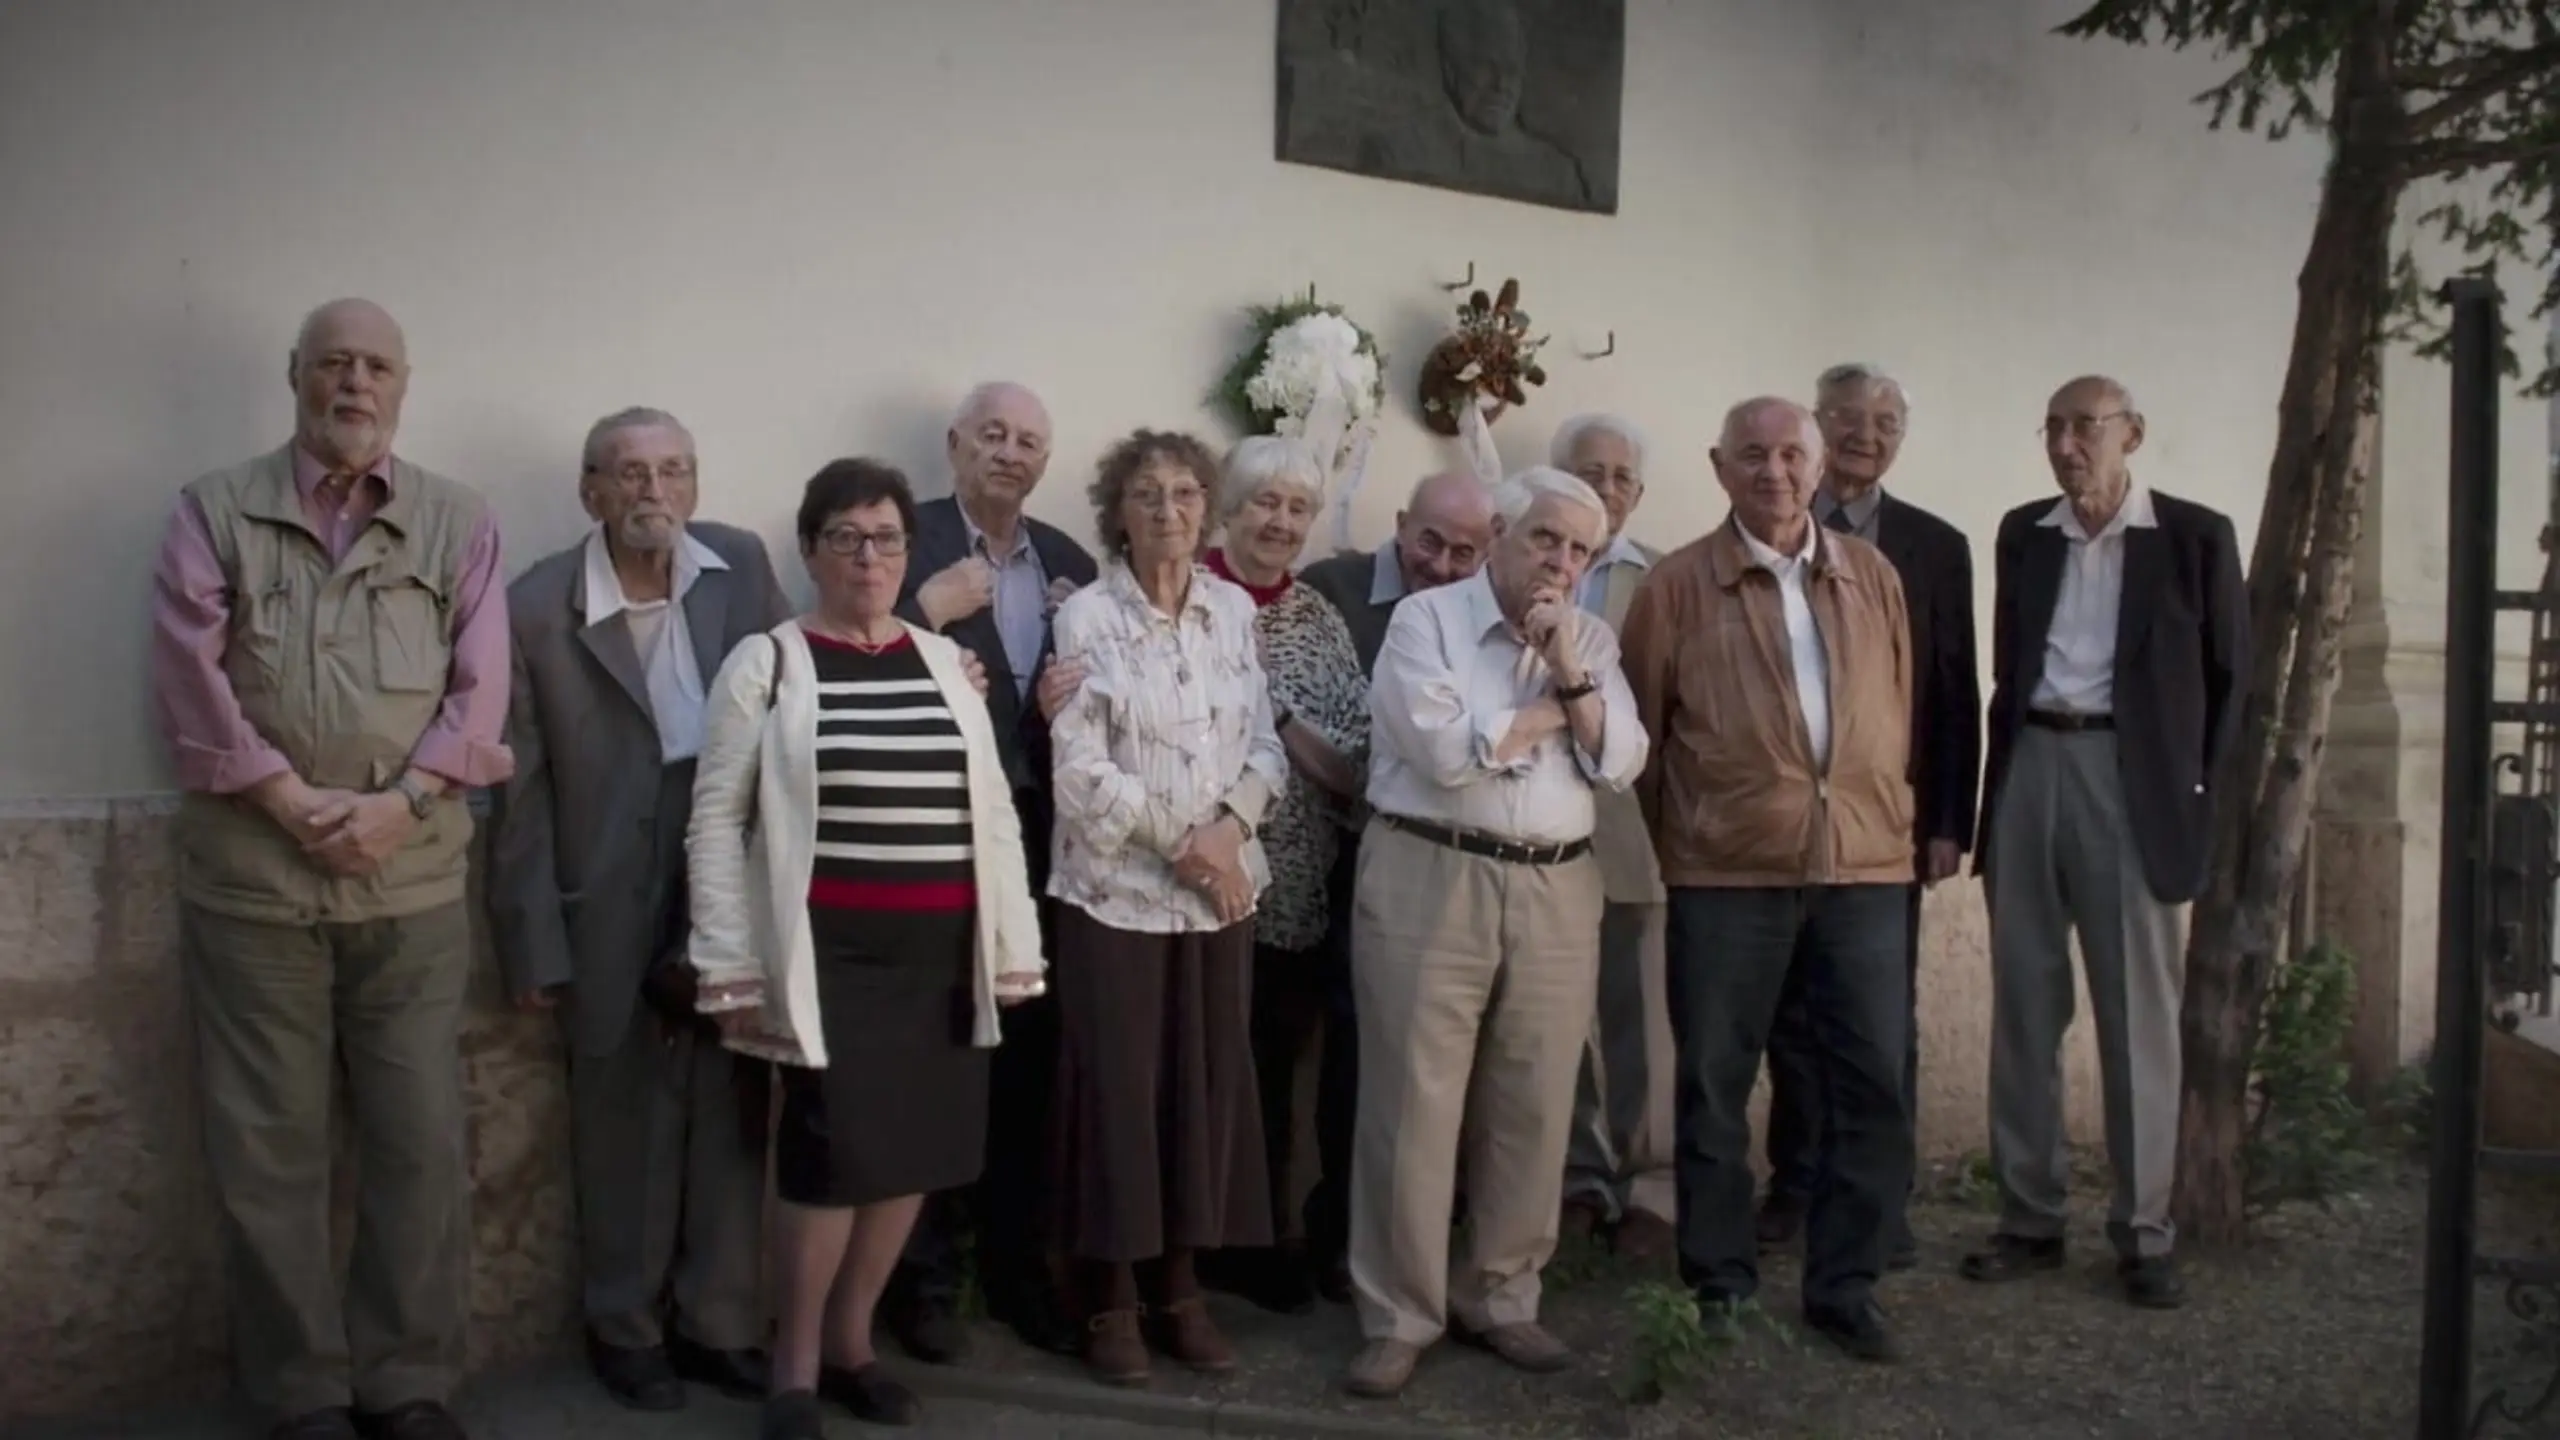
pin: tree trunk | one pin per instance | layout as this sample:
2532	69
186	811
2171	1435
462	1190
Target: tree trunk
2299	578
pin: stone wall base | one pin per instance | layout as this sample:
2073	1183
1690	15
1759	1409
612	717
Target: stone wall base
110	1285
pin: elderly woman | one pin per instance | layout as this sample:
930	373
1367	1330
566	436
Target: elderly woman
1267	501
860	910
1165	762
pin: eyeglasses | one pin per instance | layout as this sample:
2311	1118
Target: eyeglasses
1178	498
1887	424
2078	427
636	476
846	540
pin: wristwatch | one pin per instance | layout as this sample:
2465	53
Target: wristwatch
421	801
1570	693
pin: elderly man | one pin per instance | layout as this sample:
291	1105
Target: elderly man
987	575
2120	649
1440	538
614	637
1618	1168
1771	659
1864	414
329	657
1497	707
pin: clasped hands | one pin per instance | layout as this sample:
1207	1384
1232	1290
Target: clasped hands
345	832
1210	863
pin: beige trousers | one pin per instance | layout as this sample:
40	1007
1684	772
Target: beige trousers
1474	982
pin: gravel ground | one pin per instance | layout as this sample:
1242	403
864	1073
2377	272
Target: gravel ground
2313	1331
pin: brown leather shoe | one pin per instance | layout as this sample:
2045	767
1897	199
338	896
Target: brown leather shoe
1646	1238
1381	1370
1186	1332
1114	1350
1525	1346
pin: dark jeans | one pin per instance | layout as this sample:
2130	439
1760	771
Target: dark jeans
1794	1144
1003	1212
1729	954
1328	1211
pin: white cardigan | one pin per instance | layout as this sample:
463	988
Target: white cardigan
753	839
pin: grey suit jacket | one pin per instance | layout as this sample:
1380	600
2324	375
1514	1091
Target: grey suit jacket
1628	871
575	892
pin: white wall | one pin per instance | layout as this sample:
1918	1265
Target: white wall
807	225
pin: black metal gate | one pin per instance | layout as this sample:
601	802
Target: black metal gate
2495	934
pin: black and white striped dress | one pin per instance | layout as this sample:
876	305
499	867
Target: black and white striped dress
901	1108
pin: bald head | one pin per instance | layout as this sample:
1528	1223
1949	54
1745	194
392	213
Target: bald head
1444	530
2091	429
1769	458
349	370
998	445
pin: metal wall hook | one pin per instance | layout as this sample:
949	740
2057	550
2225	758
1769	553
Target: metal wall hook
1604	352
1461	284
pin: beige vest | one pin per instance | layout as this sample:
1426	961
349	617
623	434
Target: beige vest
341	667
1619	838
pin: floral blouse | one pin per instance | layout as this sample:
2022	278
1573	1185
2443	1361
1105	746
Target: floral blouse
1173	719
1315	675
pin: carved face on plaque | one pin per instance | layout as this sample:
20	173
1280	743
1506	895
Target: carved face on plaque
1484	58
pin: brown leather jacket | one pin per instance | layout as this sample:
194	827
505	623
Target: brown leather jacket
1731	792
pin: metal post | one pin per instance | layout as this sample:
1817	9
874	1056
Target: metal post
2444	1393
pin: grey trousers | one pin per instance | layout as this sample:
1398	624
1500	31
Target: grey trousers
1619	1158
2064	863
277	1008
670	1190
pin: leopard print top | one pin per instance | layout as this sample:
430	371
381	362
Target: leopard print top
1315	675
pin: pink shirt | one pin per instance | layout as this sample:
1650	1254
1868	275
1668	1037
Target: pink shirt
213	744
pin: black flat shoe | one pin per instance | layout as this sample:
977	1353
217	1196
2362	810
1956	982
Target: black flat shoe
1860	1333
640	1378
870	1396
738	1374
2012	1257
792	1415
417	1420
2152	1282
931	1332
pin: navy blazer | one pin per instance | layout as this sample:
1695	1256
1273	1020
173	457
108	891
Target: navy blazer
2181	673
942	540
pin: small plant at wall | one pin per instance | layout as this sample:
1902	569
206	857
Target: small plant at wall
2308	1139
1471	378
1309	373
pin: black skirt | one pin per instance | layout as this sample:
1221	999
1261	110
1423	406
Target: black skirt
901	1108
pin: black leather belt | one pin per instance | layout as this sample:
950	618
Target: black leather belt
2057	720
1476	842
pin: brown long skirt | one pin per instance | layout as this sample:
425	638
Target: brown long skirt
1157	1125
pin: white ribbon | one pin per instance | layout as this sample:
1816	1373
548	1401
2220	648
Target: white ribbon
1475	439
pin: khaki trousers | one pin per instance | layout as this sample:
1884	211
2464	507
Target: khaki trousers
1620	1156
1475	982
277	1009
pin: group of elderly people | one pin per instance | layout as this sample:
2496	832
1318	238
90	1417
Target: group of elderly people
997	900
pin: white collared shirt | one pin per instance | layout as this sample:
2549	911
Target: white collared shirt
1805	654
1593	594
1450	679
2080	645
659	633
